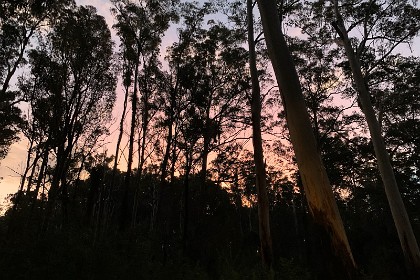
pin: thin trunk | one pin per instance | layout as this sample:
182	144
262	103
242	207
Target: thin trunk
318	190
141	154
108	195
164	166
173	162
17	62
160	215
261	183
155	207
23	179
31	176
208	131
64	200
34	197
203	188
95	182
316	129
160	219
53	192
186	202
402	222
145	124
205	156
40	177
238	203
125	212
109	203
121	132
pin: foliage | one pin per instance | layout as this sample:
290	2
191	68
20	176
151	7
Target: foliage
191	121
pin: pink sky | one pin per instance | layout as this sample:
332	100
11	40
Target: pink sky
14	163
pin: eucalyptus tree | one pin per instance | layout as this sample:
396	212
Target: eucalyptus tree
323	83
384	25
10	120
260	172
314	177
71	88
20	22
208	87
213	77
394	93
140	26
151	85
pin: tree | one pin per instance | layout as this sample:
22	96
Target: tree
20	21
261	183
393	32
71	89
213	80
140	27
9	121
315	180
211	83
323	84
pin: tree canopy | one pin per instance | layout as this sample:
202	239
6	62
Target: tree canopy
269	140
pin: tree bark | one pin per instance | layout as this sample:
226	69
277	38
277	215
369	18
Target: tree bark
402	222
317	187
261	182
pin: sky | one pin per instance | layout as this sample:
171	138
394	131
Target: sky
13	165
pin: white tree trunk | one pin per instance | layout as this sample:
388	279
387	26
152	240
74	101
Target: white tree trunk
317	187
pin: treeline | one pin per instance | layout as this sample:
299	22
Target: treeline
279	144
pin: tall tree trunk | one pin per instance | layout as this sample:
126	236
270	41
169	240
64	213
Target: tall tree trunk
164	165
33	169
120	134
207	137
174	158
204	160
318	190
263	204
125	212
188	163
54	191
160	222
402	222
238	202
108	196
34	197
145	125
96	176
163	174
28	166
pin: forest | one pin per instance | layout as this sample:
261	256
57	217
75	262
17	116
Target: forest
242	139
